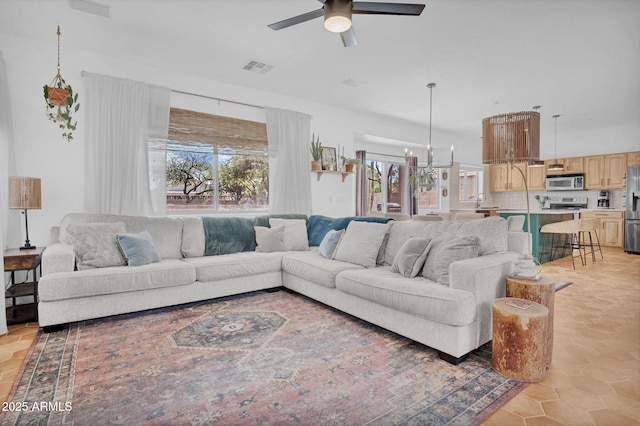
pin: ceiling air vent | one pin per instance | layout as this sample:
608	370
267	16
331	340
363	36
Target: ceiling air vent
258	67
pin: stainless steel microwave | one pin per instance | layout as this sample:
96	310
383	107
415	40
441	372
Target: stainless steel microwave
573	182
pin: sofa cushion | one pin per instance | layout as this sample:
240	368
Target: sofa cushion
491	231
360	243
264	219
192	237
138	248
416	296
410	258
443	251
319	270
165	231
116	279
95	244
214	268
269	239
401	231
329	243
295	233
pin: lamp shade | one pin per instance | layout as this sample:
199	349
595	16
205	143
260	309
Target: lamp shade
337	15
512	137
24	193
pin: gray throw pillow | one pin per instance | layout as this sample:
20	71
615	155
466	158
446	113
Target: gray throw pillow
329	243
269	239
411	257
446	249
360	243
95	244
138	248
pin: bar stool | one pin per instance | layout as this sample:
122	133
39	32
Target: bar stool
572	235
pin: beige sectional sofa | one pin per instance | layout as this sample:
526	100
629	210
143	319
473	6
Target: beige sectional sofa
453	318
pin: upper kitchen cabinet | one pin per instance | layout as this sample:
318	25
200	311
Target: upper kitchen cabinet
571	165
605	171
633	158
505	178
537	177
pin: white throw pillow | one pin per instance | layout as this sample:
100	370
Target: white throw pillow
361	242
269	239
95	244
295	233
410	258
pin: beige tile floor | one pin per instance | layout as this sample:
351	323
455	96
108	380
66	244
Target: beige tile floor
594	377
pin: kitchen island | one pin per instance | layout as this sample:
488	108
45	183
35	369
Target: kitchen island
539	218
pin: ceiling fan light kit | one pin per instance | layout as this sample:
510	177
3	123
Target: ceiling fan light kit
337	16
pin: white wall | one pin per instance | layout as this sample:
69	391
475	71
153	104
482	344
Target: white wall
41	152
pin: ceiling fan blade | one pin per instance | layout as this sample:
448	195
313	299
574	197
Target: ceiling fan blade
365	7
297	19
349	38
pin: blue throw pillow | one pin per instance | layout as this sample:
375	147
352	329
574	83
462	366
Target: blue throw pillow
138	248
329	243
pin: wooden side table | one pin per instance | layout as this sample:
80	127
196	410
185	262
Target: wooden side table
519	339
22	260
541	291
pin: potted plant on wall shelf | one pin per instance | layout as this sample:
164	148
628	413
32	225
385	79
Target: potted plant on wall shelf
316	153
58	94
350	163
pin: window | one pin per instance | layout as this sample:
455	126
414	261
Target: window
470	184
216	163
384	193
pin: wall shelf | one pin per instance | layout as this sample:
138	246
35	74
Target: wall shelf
321	172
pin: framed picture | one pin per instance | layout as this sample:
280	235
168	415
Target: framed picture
329	159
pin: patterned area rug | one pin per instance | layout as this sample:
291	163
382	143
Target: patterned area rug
261	358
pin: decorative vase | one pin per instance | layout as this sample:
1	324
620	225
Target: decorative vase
316	165
348	167
58	96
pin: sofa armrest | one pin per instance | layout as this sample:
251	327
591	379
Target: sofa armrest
518	242
58	257
486	278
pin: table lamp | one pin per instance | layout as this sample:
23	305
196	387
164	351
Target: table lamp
24	194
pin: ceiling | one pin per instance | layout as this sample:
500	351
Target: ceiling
576	58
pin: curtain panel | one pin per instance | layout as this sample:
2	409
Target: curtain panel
123	116
362	205
9	219
289	181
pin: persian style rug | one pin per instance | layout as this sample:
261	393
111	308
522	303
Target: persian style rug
269	358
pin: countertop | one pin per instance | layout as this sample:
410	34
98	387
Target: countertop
557	211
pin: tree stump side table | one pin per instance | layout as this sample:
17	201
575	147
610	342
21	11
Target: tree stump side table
541	291
520	339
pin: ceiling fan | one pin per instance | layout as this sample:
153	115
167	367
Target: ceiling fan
337	15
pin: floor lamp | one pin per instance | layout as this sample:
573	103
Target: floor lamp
513	138
24	194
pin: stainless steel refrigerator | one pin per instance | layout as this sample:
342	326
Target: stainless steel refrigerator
632	215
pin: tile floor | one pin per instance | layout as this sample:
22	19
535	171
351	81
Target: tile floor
594	378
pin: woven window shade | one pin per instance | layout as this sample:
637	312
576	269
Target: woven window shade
512	137
228	135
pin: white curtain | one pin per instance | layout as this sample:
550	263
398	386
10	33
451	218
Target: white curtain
9	220
289	179
122	116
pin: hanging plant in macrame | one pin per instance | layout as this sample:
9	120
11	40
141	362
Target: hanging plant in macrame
61	102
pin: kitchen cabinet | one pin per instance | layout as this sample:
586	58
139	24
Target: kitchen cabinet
611	232
571	165
504	178
537	178
633	158
605	171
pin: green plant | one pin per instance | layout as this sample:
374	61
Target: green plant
354	161
423	179
67	105
316	148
